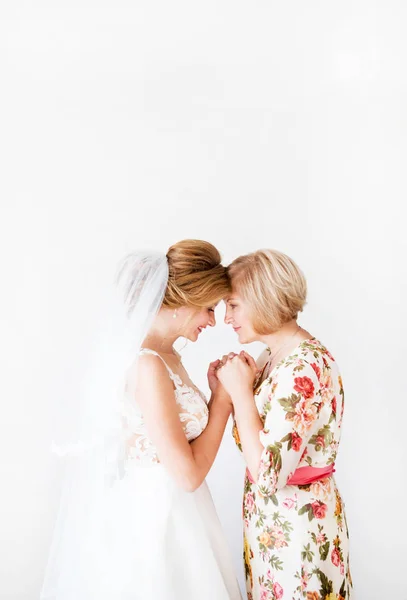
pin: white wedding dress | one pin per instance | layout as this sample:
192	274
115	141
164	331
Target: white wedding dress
175	546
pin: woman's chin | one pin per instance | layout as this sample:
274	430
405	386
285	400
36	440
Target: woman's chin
242	338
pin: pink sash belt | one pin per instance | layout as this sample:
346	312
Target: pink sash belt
305	475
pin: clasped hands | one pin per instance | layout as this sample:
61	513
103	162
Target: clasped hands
232	374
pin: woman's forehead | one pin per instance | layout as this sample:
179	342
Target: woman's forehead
232	297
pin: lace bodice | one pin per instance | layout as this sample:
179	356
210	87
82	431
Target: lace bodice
193	414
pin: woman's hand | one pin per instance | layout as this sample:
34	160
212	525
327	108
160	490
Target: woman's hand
251	362
213	379
237	374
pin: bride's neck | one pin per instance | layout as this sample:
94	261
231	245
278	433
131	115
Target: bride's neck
160	342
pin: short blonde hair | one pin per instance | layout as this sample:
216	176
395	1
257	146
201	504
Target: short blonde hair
196	275
272	284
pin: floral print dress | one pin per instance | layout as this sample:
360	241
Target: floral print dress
296	536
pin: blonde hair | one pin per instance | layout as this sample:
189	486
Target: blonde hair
272	284
196	275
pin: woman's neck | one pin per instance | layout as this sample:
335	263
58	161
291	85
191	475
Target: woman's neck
288	335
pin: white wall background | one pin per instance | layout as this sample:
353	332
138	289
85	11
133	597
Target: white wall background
250	124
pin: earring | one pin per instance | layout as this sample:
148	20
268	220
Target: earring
174	316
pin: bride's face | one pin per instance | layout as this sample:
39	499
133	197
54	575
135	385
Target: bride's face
194	321
238	316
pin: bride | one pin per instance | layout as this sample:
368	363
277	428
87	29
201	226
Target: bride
137	521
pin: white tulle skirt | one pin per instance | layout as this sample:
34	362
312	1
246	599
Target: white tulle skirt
157	542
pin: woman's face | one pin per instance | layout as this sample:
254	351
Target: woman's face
194	321
238	315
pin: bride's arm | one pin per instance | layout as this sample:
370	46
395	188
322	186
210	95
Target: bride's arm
206	446
187	463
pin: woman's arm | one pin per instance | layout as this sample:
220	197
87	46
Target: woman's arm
249	425
291	416
187	463
273	450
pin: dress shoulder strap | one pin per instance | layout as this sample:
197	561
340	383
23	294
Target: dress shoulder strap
173	376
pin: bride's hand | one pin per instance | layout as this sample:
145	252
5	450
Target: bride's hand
213	380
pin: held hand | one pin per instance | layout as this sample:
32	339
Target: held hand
219	394
251	362
213	380
237	374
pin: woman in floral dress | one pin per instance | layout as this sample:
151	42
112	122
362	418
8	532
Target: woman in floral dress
295	532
